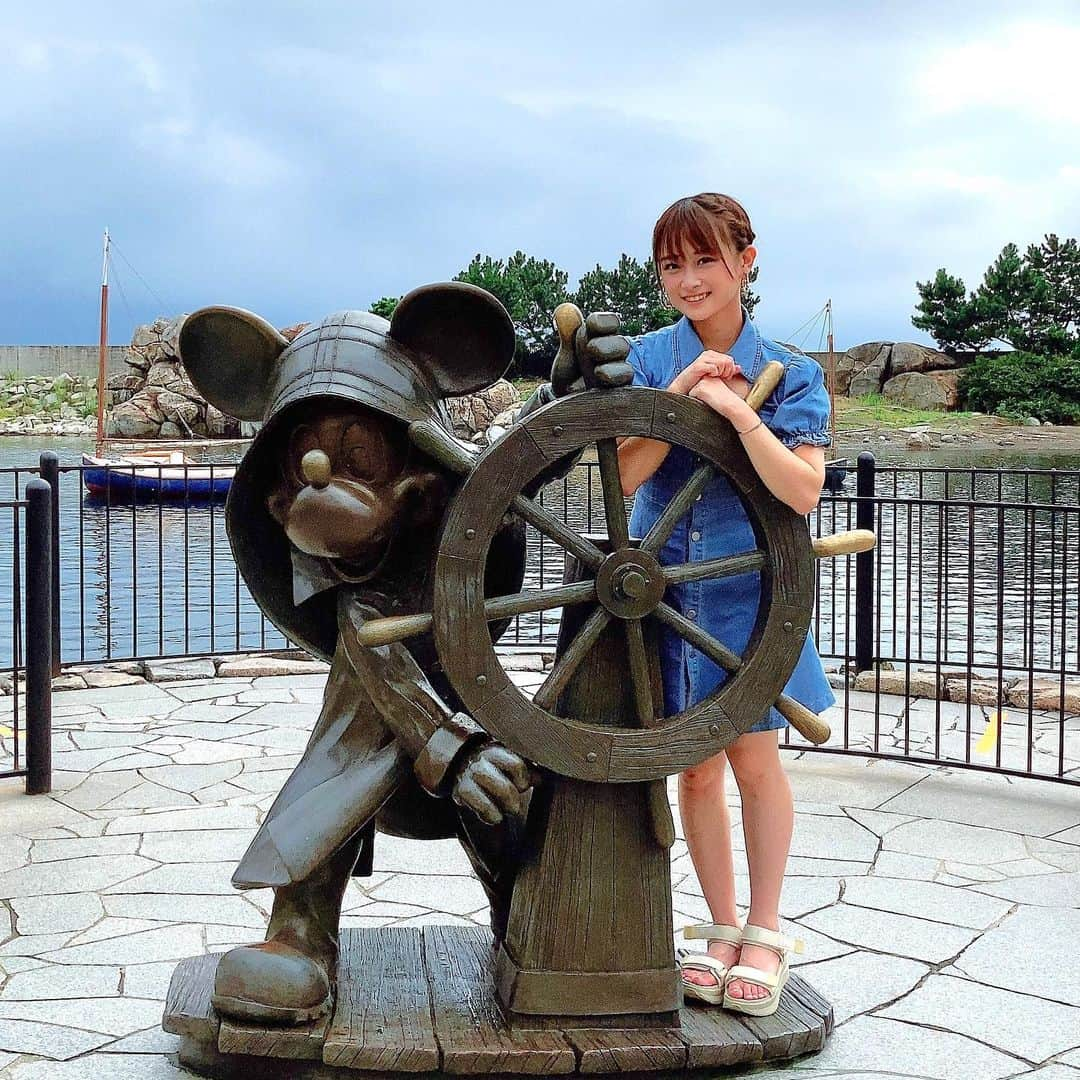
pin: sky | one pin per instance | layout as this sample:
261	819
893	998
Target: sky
297	159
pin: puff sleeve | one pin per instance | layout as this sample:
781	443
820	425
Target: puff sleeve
638	360
802	414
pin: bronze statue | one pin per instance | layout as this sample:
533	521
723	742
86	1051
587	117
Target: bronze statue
333	520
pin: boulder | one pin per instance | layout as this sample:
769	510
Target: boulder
907	356
138	418
915	391
949	382
170	375
916	683
868	367
1047	694
177	409
475	413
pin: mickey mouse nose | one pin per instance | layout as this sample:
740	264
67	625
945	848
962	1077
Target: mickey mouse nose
315	466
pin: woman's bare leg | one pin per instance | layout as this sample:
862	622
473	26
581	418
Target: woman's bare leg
768	818
707	828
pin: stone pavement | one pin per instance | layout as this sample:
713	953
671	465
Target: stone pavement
941	909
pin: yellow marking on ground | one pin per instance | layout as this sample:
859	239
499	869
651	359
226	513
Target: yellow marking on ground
989	737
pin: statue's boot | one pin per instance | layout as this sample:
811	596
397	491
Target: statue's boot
291	977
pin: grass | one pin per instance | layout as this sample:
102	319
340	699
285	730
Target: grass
873	411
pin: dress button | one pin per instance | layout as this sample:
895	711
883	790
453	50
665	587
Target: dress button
691	614
695	535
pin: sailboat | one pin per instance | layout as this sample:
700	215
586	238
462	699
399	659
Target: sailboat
131	473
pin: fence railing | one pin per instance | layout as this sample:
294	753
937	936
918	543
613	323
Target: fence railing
26	713
967	606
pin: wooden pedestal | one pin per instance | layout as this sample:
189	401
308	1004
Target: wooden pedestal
422	1000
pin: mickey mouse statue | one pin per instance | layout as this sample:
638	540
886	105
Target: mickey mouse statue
333	517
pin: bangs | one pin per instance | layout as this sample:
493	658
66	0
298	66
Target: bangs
686	225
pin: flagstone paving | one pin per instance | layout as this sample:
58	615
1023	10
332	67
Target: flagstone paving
940	908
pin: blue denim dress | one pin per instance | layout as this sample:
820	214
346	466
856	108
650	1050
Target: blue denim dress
797	413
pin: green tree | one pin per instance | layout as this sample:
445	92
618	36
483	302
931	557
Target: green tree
1029	301
385	306
530	290
631	290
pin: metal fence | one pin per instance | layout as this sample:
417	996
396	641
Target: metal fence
26	708
963	622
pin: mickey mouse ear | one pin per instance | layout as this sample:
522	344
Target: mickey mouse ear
231	356
464	334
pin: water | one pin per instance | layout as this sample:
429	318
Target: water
152	580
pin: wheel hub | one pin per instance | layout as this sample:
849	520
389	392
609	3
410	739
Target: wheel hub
630	583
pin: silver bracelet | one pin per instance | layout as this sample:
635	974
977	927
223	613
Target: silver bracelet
749	429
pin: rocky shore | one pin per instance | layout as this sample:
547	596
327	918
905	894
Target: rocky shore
40	405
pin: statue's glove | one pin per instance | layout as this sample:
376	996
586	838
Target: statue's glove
592	352
492	782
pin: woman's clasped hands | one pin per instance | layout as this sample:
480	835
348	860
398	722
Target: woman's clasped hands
709	379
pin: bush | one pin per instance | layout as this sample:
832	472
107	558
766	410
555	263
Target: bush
1021	384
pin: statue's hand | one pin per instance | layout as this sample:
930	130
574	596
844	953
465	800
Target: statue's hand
492	783
592	352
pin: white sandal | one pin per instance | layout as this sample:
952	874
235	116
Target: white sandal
773	981
694	961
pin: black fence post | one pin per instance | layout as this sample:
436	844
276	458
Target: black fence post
49	470
39	639
864	565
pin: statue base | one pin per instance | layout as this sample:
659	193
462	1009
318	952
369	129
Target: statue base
422	1000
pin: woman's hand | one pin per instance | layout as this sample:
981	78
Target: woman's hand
719	396
708	365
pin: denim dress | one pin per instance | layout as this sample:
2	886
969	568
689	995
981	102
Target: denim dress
797	413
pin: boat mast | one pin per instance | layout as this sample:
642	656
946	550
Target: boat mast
831	371
103	344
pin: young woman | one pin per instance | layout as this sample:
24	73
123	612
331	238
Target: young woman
703	250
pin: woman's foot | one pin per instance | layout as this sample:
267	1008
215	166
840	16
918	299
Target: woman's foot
754	956
727	954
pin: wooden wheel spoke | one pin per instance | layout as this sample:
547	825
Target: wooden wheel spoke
611	484
571	659
639	673
554	529
725	566
530	601
676	509
716	651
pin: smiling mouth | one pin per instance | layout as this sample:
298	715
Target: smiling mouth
696	299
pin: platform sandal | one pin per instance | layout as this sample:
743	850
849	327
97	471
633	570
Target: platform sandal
695	961
773	981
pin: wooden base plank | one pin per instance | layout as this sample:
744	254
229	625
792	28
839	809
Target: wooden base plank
715	1038
188	1010
603	1050
383	1017
469	1024
813	1001
299	1042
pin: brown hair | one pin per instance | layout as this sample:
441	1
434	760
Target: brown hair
705	222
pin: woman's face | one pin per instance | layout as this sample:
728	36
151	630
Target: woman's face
701	284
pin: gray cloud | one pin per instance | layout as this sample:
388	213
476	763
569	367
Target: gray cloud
315	156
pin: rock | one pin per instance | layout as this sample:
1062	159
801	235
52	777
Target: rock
135	419
907	356
254	667
177	409
218	425
522	662
476	412
170	375
915	391
1032	421
98	679
173	670
923	684
1047	695
984	691
69	682
505	418
919	440
169	430
868	366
